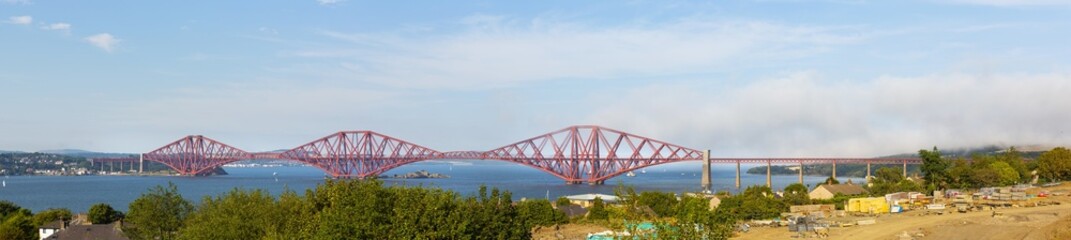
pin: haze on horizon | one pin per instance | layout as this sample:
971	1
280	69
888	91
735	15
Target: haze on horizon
743	78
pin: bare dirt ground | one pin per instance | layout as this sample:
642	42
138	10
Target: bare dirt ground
1047	222
566	231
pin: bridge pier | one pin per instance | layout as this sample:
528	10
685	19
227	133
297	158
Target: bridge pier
705	182
597	183
769	182
801	172
141	163
834	170
905	168
737	174
867	171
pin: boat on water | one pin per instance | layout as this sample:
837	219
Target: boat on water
631	174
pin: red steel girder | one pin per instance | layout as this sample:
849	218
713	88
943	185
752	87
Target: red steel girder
591	153
196	154
576	154
359	153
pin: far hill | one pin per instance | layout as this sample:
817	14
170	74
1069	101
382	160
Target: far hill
86	154
859	170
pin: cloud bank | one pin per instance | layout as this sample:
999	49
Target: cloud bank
20	20
802	114
104	41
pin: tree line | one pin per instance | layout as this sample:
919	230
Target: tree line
1008	167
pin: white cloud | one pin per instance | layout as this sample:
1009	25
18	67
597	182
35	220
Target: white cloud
803	114
329	2
20	20
104	41
65	27
495	51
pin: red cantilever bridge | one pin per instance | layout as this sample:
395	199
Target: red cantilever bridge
575	154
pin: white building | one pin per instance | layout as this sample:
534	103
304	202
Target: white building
50	228
586	200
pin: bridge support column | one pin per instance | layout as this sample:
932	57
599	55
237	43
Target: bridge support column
705	182
801	172
737	174
905	168
867	171
596	183
141	163
834	170
769	183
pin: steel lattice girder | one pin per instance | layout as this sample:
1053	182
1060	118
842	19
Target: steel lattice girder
576	154
359	153
592	153
196	154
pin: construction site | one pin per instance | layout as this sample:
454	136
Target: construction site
1016	212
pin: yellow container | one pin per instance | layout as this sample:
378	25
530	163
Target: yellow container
868	205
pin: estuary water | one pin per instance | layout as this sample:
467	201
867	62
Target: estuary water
79	192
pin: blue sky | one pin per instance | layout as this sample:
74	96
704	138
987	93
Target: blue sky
743	78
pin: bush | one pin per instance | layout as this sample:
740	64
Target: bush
102	213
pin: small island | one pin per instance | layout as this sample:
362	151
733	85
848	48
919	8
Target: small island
417	174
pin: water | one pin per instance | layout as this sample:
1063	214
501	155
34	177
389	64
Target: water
79	192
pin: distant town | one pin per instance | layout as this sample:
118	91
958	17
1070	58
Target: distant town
79	163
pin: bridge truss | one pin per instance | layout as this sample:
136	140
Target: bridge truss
576	154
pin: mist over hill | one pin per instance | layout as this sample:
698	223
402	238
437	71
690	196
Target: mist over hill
859	170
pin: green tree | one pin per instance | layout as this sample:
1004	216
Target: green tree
695	220
16	223
796	194
888	175
1006	175
1055	164
157	214
539	213
51	214
293	216
960	174
562	201
985	177
1015	160
237	214
934	169
102	213
8	207
661	203
829	180
598	210
889	180
756	202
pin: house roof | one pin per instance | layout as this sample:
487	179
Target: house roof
95	232
846	189
592	196
58	224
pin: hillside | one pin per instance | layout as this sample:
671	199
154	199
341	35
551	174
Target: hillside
859	170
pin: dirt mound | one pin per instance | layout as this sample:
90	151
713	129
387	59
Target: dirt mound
1057	230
